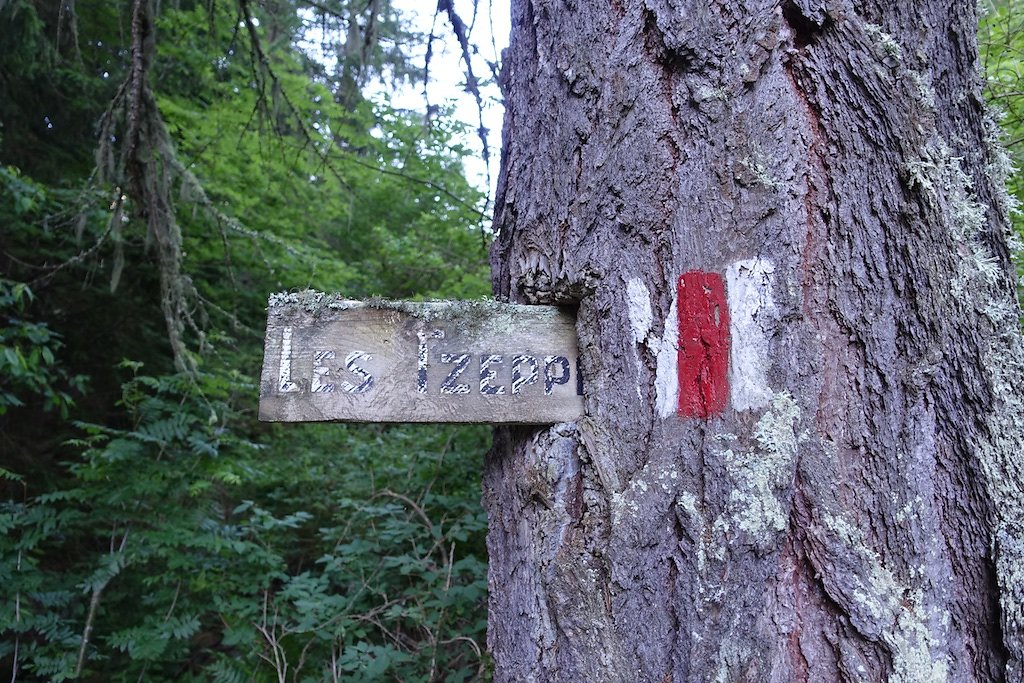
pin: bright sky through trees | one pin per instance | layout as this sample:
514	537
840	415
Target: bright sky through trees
489	31
487	25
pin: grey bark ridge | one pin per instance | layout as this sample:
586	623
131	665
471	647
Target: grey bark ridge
855	513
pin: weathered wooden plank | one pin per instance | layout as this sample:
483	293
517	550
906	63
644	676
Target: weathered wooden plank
332	359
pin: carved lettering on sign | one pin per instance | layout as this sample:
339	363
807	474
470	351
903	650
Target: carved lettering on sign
353	367
561	363
525	371
461	362
488	375
519	380
285	385
422	359
420	362
317	384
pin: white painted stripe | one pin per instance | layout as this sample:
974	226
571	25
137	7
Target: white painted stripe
640	317
753	317
285	385
638	305
667	381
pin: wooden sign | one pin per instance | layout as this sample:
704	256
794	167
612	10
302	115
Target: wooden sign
332	359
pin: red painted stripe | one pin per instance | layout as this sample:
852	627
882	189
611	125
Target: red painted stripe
703	360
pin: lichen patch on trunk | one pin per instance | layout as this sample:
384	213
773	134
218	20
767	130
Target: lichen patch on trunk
763	476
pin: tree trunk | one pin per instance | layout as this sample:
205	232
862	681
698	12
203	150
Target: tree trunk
785	230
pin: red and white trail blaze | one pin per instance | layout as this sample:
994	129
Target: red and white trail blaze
702	360
714	348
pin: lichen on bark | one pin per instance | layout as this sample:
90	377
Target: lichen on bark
758	502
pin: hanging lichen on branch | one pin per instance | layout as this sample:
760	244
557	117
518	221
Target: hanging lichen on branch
144	167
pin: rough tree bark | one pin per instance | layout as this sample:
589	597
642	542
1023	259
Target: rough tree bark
784	228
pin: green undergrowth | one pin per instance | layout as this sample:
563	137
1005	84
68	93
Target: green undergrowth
151	529
210	556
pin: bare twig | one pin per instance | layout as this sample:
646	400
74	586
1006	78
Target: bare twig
86	253
420	181
320	7
472	84
17	620
440	617
411	503
438	468
269	633
94	602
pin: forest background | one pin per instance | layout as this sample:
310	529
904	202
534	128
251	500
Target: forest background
163	168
